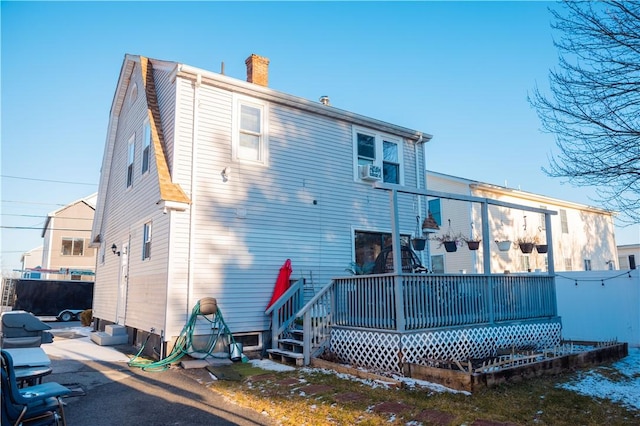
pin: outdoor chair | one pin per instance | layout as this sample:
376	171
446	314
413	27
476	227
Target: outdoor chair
35	405
410	261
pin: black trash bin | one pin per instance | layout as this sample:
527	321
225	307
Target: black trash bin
20	329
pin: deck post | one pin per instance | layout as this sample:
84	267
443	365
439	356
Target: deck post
550	260
399	305
395	232
486	239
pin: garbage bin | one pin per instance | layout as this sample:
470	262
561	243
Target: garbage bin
20	329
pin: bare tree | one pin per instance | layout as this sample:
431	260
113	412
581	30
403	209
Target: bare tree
593	108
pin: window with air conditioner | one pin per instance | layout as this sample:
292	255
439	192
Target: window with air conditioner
377	157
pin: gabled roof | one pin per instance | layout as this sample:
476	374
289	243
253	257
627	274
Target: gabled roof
89	201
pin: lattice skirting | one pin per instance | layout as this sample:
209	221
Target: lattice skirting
387	351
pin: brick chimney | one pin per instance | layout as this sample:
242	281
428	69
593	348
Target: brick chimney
257	70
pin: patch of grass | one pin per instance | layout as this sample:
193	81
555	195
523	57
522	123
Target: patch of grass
287	399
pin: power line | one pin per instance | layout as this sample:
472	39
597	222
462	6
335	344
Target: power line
40	228
48	180
41	215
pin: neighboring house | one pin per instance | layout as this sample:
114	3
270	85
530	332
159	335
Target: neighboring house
66	253
210	183
31	260
628	256
584	237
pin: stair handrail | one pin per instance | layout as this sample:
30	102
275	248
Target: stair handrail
316	331
284	309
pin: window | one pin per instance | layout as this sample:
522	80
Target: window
131	157
368	246
437	264
542	225
146	241
146	146
371	148
72	247
587	264
249	141
564	223
568	265
525	264
390	162
133	94
436	210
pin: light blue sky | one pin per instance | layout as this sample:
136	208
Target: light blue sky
460	71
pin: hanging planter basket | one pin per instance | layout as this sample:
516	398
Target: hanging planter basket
419	243
542	248
526	247
473	245
450	246
504	245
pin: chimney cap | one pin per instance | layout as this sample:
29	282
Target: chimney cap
324	100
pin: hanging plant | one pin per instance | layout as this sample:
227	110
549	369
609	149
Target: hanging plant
542	248
504	245
473	241
419	241
527	243
450	240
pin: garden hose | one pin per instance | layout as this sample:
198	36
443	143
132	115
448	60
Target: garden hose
184	342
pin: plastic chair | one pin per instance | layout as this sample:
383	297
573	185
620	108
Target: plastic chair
31	403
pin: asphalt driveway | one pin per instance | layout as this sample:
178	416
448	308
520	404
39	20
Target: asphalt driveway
108	392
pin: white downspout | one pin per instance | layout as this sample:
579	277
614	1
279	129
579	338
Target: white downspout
192	227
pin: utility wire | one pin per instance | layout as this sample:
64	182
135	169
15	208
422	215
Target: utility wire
48	180
40	228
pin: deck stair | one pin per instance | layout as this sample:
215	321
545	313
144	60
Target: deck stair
289	350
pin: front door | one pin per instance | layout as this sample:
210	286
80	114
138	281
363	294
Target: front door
123	284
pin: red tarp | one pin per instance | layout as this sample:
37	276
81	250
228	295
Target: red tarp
282	283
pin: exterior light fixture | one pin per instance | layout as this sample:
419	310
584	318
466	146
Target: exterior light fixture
114	249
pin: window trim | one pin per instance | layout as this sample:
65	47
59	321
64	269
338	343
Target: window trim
379	139
263	150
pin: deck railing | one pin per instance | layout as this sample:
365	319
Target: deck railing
284	310
414	302
428	301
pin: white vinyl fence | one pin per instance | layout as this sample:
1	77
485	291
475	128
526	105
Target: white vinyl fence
600	305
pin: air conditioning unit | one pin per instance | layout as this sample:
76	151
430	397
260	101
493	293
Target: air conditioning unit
370	172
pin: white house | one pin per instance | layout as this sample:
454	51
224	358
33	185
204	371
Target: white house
209	183
584	237
628	256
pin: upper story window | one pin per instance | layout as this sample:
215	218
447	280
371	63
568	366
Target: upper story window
72	247
146	146
378	157
130	159
146	241
250	131
133	94
564	223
